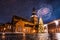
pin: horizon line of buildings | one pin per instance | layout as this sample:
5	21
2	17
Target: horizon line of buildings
19	24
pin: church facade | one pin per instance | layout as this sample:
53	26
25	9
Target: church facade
24	25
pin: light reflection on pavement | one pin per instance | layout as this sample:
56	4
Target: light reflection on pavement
52	36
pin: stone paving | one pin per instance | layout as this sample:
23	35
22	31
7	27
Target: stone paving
26	37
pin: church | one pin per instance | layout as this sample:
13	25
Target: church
28	26
25	25
22	25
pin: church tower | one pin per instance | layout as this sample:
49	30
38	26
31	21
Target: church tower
34	17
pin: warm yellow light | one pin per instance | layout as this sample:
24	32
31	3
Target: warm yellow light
23	29
3	33
45	24
34	31
3	36
52	30
4	28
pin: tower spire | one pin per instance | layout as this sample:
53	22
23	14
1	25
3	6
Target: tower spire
34	11
34	17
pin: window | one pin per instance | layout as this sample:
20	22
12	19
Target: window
9	26
19	29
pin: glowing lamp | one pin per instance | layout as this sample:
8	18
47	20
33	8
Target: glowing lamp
56	22
45	25
34	31
3	33
24	29
4	28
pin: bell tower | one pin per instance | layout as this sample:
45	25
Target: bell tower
34	17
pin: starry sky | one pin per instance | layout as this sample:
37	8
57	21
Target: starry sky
23	8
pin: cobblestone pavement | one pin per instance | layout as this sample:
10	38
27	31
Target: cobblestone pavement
21	37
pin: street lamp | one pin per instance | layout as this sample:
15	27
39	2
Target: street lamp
56	22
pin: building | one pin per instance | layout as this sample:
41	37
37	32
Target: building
54	26
24	25
7	27
1	27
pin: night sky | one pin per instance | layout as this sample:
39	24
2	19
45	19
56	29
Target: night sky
23	8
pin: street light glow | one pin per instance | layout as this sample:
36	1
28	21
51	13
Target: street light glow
56	22
24	29
34	31
45	25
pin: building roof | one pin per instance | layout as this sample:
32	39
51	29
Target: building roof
53	21
21	18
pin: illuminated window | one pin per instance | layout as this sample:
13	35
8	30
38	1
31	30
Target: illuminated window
19	29
9	26
56	22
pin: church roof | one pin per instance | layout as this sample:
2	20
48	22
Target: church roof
21	18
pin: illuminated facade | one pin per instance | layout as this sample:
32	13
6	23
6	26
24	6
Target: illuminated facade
34	25
54	26
24	25
7	27
19	24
